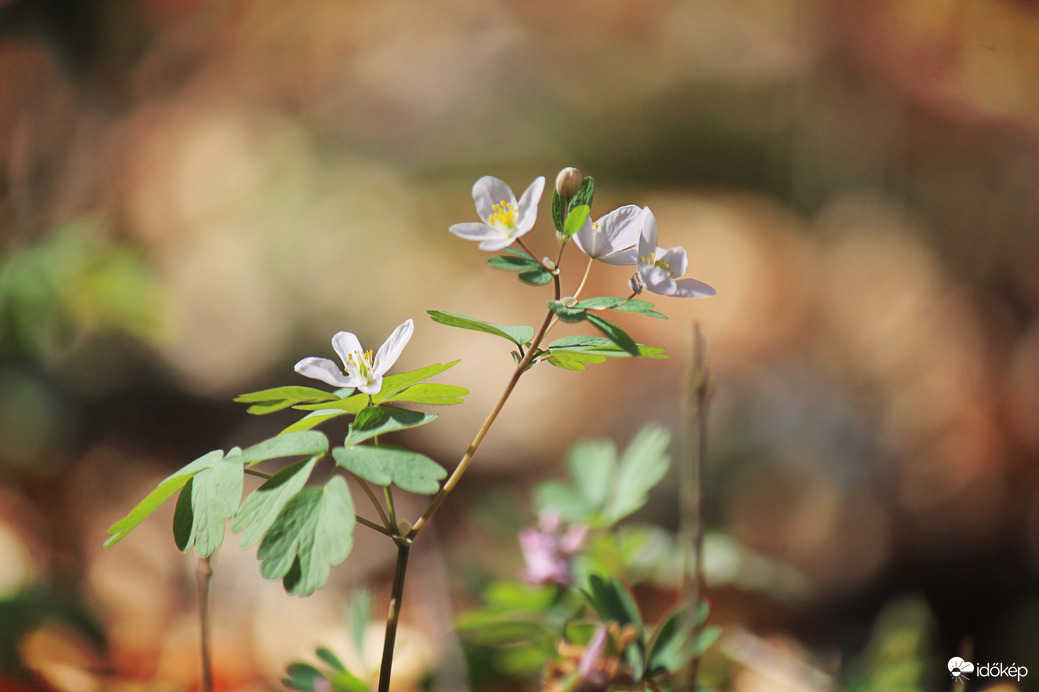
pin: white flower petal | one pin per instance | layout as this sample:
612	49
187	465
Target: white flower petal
502	241
372	386
527	209
390	350
489	191
344	344
675	260
475	231
622	258
691	288
325	370
648	235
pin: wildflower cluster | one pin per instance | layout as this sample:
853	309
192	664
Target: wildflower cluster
304	526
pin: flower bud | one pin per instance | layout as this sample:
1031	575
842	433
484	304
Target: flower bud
568	182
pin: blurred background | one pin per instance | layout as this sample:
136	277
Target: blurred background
195	195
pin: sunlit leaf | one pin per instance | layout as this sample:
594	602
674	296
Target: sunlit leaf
519	335
575	219
573	360
621	305
306	443
382	465
163	492
313	531
380	420
394	384
278	398
567	313
262	507
431	393
312	420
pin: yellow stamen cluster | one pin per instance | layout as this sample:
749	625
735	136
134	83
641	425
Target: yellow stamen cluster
503	215
361	362
666	266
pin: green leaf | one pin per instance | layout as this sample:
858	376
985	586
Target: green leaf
614	334
519	335
271	400
432	393
262	507
537	276
313	531
330	659
307	443
349	404
512	263
585	194
155	498
666	648
567	313
619	304
593	466
394	384
358	615
380	420
382	465
312	420
558	211
573	360
575	219
208	500
600	345
643	465
301	676
555	496
613	602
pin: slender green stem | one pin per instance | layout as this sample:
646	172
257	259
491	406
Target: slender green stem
203	575
389	506
584	279
258	474
467	458
373	526
375	503
396	595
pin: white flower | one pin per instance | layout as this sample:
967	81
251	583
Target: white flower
504	219
614	238
659	269
360	369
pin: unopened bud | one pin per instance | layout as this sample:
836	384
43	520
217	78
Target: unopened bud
568	182
635	285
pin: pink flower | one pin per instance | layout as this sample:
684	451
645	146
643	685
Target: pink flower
548	550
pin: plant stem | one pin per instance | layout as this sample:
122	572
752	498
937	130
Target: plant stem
691	484
203	575
375	502
258	474
396	594
392	510
584	279
456	475
373	526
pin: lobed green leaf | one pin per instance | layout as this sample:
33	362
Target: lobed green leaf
312	420
431	393
312	532
519	335
293	444
262	507
600	345
573	360
382	465
395	384
381	420
153	500
619	304
205	504
271	400
567	313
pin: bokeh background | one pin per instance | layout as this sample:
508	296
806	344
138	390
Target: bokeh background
194	195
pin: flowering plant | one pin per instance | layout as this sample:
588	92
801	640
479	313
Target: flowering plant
304	526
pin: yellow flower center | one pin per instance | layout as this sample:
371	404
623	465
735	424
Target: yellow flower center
666	266
361	362
503	216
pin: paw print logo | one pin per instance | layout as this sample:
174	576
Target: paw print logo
959	669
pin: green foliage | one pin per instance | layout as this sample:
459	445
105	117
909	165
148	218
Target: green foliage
163	492
614	334
288	445
208	500
566	312
431	393
278	398
262	507
613	603
575	219
643	307
585	195
519	335
380	420
382	465
604	489
530	270
312	532
395	384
